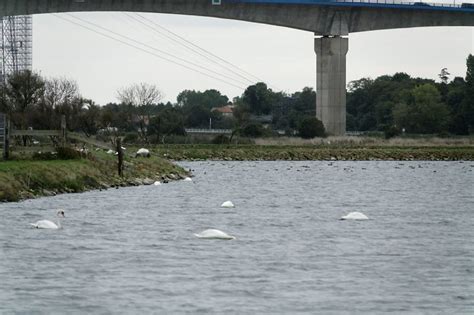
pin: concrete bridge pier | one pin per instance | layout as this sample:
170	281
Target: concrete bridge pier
331	82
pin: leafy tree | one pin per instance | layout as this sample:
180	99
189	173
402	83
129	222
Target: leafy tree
258	98
455	100
370	103
197	116
305	101
19	97
468	104
170	121
425	114
311	127
197	107
21	93
207	99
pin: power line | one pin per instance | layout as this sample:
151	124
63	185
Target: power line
200	48
156	49
213	60
148	52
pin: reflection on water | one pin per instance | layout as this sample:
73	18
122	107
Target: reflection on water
133	250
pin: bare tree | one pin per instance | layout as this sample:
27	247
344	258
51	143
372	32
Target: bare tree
60	91
142	96
61	97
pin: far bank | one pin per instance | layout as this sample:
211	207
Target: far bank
326	150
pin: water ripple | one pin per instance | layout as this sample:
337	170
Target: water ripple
132	250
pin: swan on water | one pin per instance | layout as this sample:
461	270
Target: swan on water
355	216
157	183
214	234
46	224
188	179
227	204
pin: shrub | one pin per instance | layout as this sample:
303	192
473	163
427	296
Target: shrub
253	130
131	138
391	131
45	156
66	153
311	127
220	139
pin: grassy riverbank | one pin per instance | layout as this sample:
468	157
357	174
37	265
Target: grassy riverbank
28	178
23	179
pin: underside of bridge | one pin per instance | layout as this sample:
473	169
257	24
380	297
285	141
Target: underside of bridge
330	23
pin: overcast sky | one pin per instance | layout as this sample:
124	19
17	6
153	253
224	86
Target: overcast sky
282	57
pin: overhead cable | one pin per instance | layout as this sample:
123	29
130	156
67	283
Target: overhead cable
156	49
187	46
198	47
148	52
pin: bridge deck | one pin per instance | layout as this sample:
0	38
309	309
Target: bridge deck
465	7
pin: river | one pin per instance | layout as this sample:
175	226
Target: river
132	250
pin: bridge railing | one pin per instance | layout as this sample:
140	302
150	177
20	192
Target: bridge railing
395	2
208	131
407	4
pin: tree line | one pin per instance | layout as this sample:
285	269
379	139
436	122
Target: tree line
390	103
414	105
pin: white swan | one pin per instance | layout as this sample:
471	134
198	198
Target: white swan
355	216
143	153
214	234
46	224
188	179
227	204
157	183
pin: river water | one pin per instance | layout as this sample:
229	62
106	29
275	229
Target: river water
132	250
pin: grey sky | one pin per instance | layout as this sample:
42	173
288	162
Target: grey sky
282	57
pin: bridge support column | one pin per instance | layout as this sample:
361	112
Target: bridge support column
331	82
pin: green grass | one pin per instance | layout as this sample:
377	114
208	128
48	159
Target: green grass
22	179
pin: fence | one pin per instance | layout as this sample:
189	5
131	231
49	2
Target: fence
6	133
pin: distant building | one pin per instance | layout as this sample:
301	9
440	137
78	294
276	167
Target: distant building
226	111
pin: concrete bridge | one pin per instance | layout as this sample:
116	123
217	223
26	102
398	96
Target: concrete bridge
330	20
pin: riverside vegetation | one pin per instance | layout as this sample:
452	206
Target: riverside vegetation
395	105
45	174
319	152
41	175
